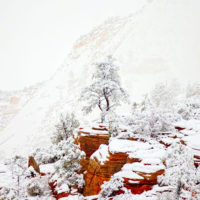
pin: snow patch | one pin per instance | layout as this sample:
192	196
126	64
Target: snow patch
126	146
101	154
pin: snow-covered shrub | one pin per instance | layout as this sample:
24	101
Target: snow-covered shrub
149	120
25	182
16	190
193	89
189	108
180	173
65	128
113	128
109	188
68	156
8	193
164	95
67	167
34	187
45	156
18	166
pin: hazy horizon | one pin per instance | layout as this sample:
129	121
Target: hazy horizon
36	36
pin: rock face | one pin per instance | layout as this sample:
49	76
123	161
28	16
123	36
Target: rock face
126	158
139	162
98	173
90	141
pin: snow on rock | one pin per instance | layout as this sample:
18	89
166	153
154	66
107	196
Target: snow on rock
126	146
101	154
140	167
73	197
94	131
47	168
91	138
129	174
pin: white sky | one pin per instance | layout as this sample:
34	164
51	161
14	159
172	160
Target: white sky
36	35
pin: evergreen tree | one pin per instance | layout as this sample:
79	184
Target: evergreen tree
68	155
105	90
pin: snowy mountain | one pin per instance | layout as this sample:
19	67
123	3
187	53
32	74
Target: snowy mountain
158	43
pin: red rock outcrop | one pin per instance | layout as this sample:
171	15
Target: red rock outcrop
96	173
145	163
89	143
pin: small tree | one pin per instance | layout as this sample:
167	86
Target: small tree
68	155
65	128
105	90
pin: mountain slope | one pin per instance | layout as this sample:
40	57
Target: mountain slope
156	44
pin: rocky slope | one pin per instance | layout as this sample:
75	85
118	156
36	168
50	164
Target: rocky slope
137	161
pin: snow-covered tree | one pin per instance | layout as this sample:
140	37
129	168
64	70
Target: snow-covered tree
18	166
67	167
65	128
189	108
105	90
148	120
68	156
109	188
180	174
193	89
164	95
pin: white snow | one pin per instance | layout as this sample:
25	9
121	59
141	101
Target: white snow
153	154
47	168
122	145
140	167
101	154
93	132
127	173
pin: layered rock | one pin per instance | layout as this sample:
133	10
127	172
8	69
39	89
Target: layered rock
137	161
120	153
90	140
97	173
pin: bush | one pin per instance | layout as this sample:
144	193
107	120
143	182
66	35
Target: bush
109	188
8	193
180	173
65	128
189	108
34	187
148	120
45	156
68	155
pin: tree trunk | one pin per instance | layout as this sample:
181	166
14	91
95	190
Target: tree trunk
102	117
99	105
107	100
